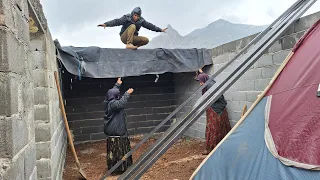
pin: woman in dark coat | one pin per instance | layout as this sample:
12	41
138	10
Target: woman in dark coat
218	124
115	127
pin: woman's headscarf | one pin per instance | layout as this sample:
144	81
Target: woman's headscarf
113	94
203	77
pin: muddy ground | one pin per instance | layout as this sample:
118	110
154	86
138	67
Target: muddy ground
178	163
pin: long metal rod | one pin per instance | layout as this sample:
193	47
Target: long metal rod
214	96
146	137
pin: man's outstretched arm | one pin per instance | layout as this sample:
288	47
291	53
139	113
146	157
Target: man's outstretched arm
115	22
152	27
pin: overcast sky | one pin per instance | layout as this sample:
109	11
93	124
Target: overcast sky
74	22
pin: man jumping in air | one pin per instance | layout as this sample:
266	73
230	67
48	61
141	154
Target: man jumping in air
131	24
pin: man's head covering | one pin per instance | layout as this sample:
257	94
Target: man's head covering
203	77
113	94
136	10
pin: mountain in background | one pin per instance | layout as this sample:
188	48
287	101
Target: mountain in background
217	33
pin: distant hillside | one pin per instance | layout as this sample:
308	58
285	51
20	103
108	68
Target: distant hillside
215	34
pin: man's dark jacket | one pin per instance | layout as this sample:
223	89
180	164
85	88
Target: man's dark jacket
127	20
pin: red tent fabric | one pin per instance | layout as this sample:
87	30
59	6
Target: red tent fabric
293	133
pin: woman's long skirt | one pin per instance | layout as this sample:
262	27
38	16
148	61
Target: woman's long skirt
217	127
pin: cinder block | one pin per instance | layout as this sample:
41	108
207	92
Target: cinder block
234	105
43	150
234	115
261	84
264	61
217	51
39	60
15	169
232	55
136	111
200	134
41	112
200	126
58	152
40	78
141	124
158	110
86	115
202	119
38	44
6	18
51	80
9	93
79	124
44	168
229	47
27	94
280	56
151	97
58	162
83	137
252	95
98	136
161	103
235	86
134	104
288	42
3	137
144	130
17	135
29	118
268	72
290	30
156	117
190	133
21	28
246	85
306	22
43	133
29	159
252	74
223	58
12	54
241	43
90	130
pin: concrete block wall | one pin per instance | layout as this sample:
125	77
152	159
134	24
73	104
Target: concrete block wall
17	137
49	126
254	81
149	104
50	132
32	136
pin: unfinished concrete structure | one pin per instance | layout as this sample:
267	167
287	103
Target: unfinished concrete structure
32	135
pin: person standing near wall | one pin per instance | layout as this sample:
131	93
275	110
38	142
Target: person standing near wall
115	127
218	124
